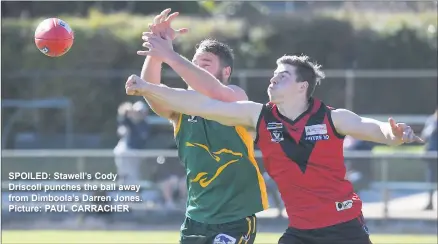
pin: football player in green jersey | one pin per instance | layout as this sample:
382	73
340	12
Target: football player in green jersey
225	186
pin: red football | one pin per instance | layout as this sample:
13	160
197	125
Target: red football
54	37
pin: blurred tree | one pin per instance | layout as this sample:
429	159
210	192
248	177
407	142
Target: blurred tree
208	5
80	8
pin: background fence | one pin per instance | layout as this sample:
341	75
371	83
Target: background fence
392	171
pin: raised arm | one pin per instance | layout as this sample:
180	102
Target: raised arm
196	77
243	113
204	82
390	133
151	71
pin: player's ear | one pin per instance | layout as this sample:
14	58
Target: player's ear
226	72
304	85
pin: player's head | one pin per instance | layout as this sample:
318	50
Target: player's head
215	57
295	76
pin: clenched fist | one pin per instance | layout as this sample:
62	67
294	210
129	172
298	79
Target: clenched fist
135	86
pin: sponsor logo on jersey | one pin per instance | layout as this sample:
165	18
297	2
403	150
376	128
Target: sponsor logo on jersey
274	126
317	138
340	206
224	239
316	132
320	129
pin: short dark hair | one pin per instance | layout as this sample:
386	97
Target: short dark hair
221	50
305	70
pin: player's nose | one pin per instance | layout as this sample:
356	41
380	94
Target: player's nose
272	80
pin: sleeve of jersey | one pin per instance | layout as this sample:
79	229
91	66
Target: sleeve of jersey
259	120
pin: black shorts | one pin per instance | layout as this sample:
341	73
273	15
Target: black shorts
352	232
240	231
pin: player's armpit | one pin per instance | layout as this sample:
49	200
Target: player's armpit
367	129
161	110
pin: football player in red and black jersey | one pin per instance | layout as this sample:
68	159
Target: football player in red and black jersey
301	140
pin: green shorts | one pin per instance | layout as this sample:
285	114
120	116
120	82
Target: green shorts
241	231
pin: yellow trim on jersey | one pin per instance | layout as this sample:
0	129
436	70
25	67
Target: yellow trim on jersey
248	219
177	125
248	234
248	141
254	225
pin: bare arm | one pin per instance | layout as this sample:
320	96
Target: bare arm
243	113
151	71
203	82
349	123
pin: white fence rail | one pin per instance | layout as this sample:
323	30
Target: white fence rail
243	76
384	158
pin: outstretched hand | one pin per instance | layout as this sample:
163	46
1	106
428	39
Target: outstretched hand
403	132
162	25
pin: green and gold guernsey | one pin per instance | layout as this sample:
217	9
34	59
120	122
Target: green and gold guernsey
223	179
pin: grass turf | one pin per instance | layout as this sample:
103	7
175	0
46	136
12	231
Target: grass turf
66	237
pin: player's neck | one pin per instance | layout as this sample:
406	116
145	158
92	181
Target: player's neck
293	108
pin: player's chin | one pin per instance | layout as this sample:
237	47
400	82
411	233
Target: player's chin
273	98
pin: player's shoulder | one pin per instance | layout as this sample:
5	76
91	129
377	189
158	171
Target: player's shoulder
239	92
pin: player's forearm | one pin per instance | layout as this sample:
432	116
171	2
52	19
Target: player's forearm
197	78
151	72
178	100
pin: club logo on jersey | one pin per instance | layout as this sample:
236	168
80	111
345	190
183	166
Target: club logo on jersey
204	179
276	130
340	206
277	136
192	119
316	132
224	239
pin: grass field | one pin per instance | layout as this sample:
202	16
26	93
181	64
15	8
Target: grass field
67	237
